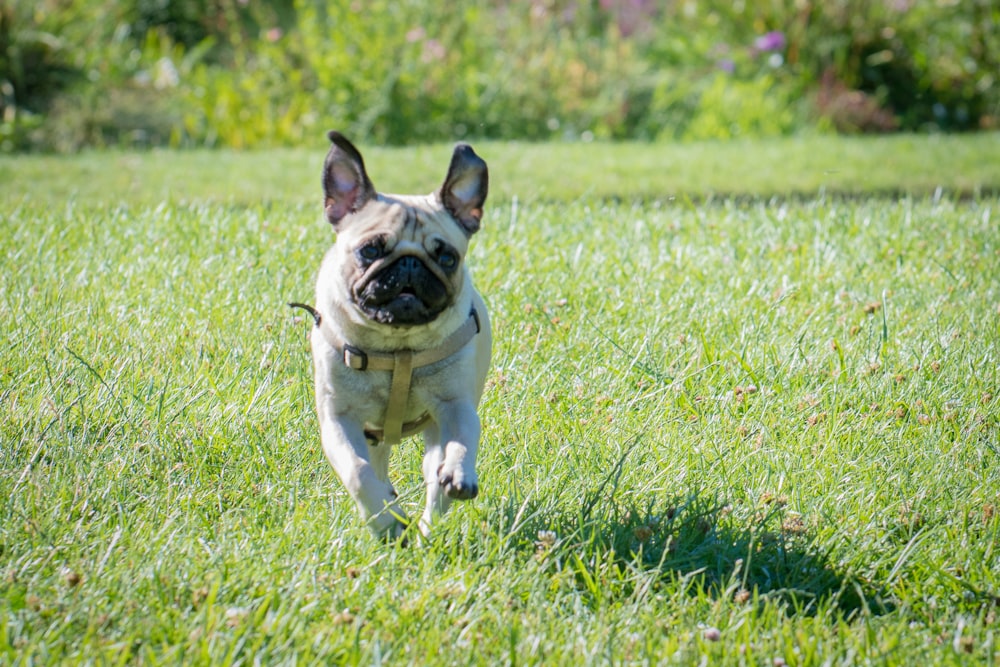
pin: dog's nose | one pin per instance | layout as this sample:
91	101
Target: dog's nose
409	267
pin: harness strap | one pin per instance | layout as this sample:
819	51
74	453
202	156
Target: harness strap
401	363
399	391
360	360
377	435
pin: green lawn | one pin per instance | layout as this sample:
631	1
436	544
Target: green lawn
724	424
964	164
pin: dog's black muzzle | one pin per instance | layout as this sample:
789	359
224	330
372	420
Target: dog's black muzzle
404	293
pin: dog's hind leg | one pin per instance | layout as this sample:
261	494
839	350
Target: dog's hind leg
379	456
437	501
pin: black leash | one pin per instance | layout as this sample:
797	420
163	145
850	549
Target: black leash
312	311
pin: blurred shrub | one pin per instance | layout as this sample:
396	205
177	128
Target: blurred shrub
186	22
247	73
730	108
863	65
850	110
35	65
74	75
401	72
928	65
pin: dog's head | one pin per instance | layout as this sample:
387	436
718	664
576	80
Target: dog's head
401	257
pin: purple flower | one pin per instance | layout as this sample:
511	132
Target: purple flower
726	65
771	41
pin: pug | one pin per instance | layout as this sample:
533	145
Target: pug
401	343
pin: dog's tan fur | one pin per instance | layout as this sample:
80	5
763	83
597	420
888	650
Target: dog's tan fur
349	401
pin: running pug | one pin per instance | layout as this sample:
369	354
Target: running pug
402	339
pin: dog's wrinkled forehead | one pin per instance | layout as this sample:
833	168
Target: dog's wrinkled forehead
412	221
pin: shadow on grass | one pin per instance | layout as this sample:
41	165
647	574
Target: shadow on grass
697	544
838	195
754	555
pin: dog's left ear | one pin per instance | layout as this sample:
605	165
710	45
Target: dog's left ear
346	186
465	187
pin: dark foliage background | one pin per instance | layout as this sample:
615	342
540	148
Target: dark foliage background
246	73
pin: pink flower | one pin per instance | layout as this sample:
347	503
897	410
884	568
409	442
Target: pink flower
433	50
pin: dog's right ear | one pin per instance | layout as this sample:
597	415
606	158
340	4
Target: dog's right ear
346	186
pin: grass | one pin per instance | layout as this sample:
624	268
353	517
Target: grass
745	430
961	164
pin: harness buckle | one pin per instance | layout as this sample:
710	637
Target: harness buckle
355	358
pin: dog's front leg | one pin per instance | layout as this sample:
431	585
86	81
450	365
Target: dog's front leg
455	472
347	451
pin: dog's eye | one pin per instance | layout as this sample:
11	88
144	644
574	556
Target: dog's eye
448	260
370	252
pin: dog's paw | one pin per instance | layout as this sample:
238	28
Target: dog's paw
393	532
456	485
398	535
390	525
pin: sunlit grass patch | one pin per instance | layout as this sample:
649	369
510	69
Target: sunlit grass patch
759	431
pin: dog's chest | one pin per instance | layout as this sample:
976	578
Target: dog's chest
366	394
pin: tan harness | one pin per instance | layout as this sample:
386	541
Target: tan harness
401	364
